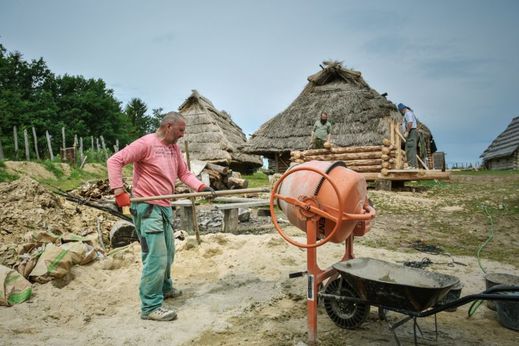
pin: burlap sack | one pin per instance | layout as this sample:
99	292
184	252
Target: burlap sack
14	288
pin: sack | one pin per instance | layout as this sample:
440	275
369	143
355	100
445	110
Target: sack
53	263
80	253
14	288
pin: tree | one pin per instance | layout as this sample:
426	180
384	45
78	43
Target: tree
136	112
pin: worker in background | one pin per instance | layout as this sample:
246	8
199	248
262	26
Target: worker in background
321	132
157	163
409	124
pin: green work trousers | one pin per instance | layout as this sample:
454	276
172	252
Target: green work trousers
410	148
153	224
318	143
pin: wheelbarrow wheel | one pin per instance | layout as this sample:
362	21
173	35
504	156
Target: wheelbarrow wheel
345	314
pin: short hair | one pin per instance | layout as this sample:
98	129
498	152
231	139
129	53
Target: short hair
323	113
171	118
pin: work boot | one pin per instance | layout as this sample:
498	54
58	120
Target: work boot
160	314
174	293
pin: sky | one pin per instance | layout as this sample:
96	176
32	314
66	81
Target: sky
456	63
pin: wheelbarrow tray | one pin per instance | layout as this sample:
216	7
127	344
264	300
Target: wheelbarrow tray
394	286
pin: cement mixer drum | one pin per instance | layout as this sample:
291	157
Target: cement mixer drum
314	189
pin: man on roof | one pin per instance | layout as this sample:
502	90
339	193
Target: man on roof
321	132
410	125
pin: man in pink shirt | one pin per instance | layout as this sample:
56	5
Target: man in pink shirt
157	163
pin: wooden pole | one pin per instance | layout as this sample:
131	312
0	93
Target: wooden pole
97	144
1	150
193	204
80	150
15	133
251	191
49	145
63	139
26	141
92	143
35	143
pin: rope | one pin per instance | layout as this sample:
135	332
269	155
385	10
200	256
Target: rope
475	305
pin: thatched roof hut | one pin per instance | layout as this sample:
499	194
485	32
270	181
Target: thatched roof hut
503	152
214	137
359	114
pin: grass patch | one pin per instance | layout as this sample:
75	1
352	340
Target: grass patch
53	168
76	178
4	175
258	179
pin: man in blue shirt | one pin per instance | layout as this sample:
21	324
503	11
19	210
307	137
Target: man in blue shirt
410	124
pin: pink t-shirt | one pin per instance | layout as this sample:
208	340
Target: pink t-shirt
156	166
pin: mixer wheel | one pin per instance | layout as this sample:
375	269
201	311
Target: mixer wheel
345	314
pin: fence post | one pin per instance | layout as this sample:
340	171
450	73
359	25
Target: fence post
35	143
1	150
49	145
81	150
26	140
63	137
92	145
15	133
97	144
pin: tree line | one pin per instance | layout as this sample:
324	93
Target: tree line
32	96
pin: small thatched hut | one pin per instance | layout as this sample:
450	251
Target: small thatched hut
503	152
360	116
214	137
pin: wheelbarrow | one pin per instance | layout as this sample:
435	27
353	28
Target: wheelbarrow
364	282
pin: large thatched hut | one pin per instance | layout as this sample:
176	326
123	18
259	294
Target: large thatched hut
213	136
503	152
359	114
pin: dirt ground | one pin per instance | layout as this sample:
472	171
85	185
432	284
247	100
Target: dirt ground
236	286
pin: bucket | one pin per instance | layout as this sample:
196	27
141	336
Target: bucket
493	279
453	295
508	312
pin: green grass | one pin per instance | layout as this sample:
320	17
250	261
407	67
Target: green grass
76	178
258	179
52	167
4	175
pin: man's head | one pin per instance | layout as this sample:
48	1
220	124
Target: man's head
172	128
401	108
324	117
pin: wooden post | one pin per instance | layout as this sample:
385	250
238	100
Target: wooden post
75	142
399	159
49	145
103	144
26	141
92	143
81	150
15	133
1	150
97	144
193	204
63	138
35	143
392	132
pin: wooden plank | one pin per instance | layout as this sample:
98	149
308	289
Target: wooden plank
260	203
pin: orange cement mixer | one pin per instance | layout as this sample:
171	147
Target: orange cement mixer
329	202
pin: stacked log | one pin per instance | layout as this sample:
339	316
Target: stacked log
220	178
364	159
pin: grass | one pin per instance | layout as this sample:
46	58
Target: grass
4	175
54	168
258	179
69	182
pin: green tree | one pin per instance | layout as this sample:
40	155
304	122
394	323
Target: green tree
136	112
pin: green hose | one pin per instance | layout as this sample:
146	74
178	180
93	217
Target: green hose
474	306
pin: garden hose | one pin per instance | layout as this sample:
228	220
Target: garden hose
475	305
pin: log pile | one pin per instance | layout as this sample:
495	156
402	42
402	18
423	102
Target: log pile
362	159
220	178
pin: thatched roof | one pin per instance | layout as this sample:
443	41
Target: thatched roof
359	114
505	144
213	136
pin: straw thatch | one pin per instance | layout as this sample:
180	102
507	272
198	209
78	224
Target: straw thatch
359	114
214	137
503	152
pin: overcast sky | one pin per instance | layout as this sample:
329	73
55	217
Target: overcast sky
456	63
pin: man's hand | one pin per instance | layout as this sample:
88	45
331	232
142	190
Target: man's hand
122	199
205	188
